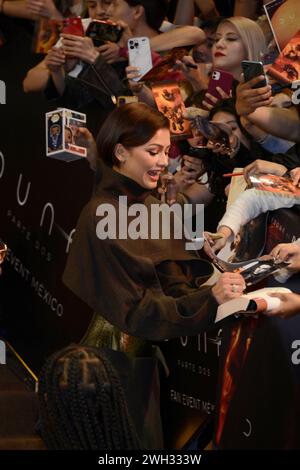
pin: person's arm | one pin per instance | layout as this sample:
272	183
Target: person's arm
198	194
117	52
52	66
177	37
91	146
43	8
280	122
288	252
81	48
249	205
191	169
208	8
185	12
245	8
59	80
143	93
289	306
254	104
263	166
138	88
16	8
36	78
246	207
249	98
197	75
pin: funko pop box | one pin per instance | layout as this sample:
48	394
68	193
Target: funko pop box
63	138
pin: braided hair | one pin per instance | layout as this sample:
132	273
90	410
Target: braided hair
82	403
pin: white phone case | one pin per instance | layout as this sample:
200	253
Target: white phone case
139	54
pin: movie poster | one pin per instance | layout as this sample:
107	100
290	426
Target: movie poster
169	101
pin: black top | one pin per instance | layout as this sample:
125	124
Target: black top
146	287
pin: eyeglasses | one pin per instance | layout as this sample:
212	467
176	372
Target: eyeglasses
3	251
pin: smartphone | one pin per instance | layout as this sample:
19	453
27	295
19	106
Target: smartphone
139	55
101	31
73	26
221	79
253	69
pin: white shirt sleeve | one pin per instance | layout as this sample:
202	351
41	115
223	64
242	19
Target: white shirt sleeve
250	204
166	26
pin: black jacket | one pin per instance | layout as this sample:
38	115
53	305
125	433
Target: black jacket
149	288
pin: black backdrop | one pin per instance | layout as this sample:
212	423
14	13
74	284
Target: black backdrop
41	199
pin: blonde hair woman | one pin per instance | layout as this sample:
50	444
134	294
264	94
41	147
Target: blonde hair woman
251	35
237	39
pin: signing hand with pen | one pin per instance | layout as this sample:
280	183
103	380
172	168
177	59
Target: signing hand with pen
229	286
263	166
43	8
214	242
196	74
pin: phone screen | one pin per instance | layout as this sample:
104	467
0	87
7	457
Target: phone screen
101	31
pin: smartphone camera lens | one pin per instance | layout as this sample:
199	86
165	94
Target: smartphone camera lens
136	44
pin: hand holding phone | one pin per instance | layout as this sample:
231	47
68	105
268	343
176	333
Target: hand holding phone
220	79
253	69
73	26
139	54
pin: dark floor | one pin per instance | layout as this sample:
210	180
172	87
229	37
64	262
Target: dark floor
18	413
